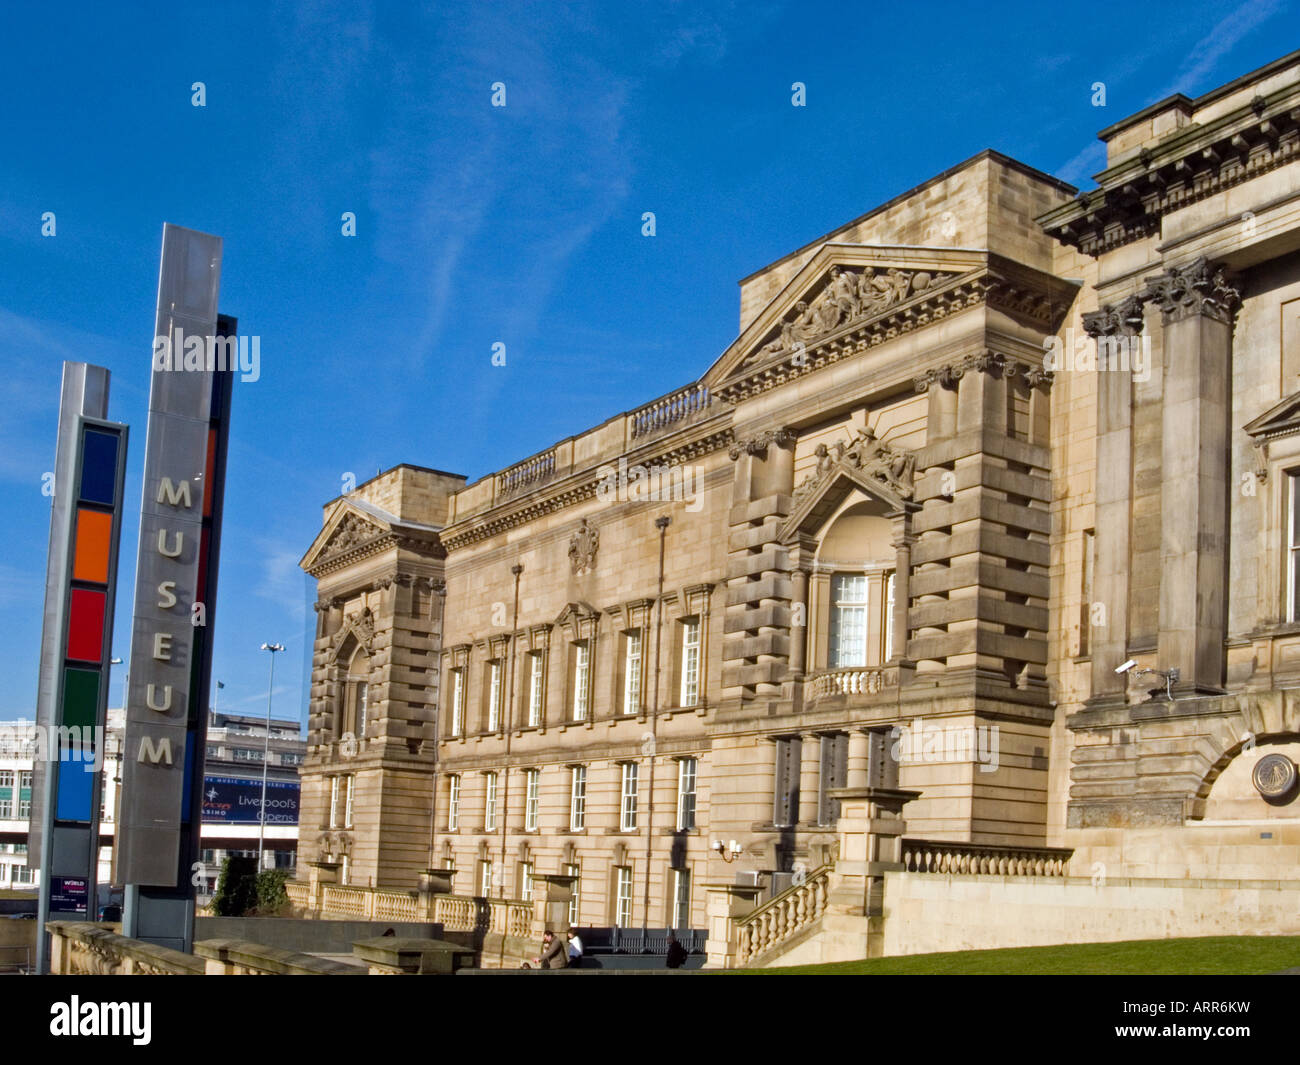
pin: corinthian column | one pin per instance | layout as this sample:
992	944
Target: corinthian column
1198	305
1108	641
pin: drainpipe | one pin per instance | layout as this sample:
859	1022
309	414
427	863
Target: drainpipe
661	523
516	569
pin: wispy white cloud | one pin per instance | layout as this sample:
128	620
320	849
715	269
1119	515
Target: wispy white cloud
1203	58
1079	169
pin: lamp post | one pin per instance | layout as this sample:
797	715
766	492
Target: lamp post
266	754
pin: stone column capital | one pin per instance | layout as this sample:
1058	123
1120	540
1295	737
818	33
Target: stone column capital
1116	319
1199	288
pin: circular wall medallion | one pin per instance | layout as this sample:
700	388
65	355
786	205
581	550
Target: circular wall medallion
1274	775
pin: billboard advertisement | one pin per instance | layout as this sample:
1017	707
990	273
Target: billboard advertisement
236	801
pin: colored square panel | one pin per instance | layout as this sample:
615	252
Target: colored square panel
80	698
75	788
86	626
99	467
94	538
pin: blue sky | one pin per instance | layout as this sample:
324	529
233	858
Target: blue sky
477	225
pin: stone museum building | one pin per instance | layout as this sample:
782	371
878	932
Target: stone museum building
993	503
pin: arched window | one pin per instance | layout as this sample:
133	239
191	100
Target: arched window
356	710
854	588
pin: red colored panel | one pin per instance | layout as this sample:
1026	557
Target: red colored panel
209	473
86	626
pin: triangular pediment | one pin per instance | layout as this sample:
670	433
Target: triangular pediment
863	464
1280	420
353	526
839	290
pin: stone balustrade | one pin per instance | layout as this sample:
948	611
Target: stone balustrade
79	948
972	859
457	913
525	474
779	919
857	680
669	410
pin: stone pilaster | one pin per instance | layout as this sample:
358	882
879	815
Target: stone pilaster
1108	642
1198	305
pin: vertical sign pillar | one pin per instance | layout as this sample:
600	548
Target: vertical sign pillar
171	645
76	643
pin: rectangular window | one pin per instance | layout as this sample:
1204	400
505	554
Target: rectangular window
623	913
581	679
690	694
627	809
6	809
25	778
785	807
526	881
6	778
833	773
681	898
535	689
1293	547
490	805
453	803
532	787
848	631
494	695
577	798
347	809
457	702
334	802
485	879
363	704
632	672
686	770
573	870
24	808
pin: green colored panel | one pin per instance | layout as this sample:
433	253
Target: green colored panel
6	793
80	698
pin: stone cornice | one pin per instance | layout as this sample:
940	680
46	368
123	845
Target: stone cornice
1119	319
1198	288
575	489
1198	161
988	361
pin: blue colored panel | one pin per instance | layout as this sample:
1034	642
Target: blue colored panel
187	791
75	789
99	468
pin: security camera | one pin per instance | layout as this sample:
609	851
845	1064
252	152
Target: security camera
1126	666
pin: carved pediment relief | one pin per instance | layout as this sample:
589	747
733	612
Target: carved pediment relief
846	297
863	462
361	626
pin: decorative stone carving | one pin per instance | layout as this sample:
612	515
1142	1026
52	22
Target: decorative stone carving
583	546
362	625
847	297
865	451
1119	319
986	362
758	445
1198	288
351	532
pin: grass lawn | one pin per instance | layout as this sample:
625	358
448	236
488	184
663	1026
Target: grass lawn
1214	955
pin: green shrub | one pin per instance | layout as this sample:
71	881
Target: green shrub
271	895
236	892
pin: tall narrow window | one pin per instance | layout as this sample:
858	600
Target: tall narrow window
453	803
526	881
632	672
623	912
627	809
1085	607
356	695
348	782
457	702
535	689
690	694
581	679
334	802
577	798
686	769
848	635
887	648
485	878
532	789
1293	548
785	807
681	898
572	869
834	771
363	706
494	695
490	804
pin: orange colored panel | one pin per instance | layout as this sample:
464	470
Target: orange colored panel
94	535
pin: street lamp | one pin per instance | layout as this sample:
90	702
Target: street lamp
266	754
